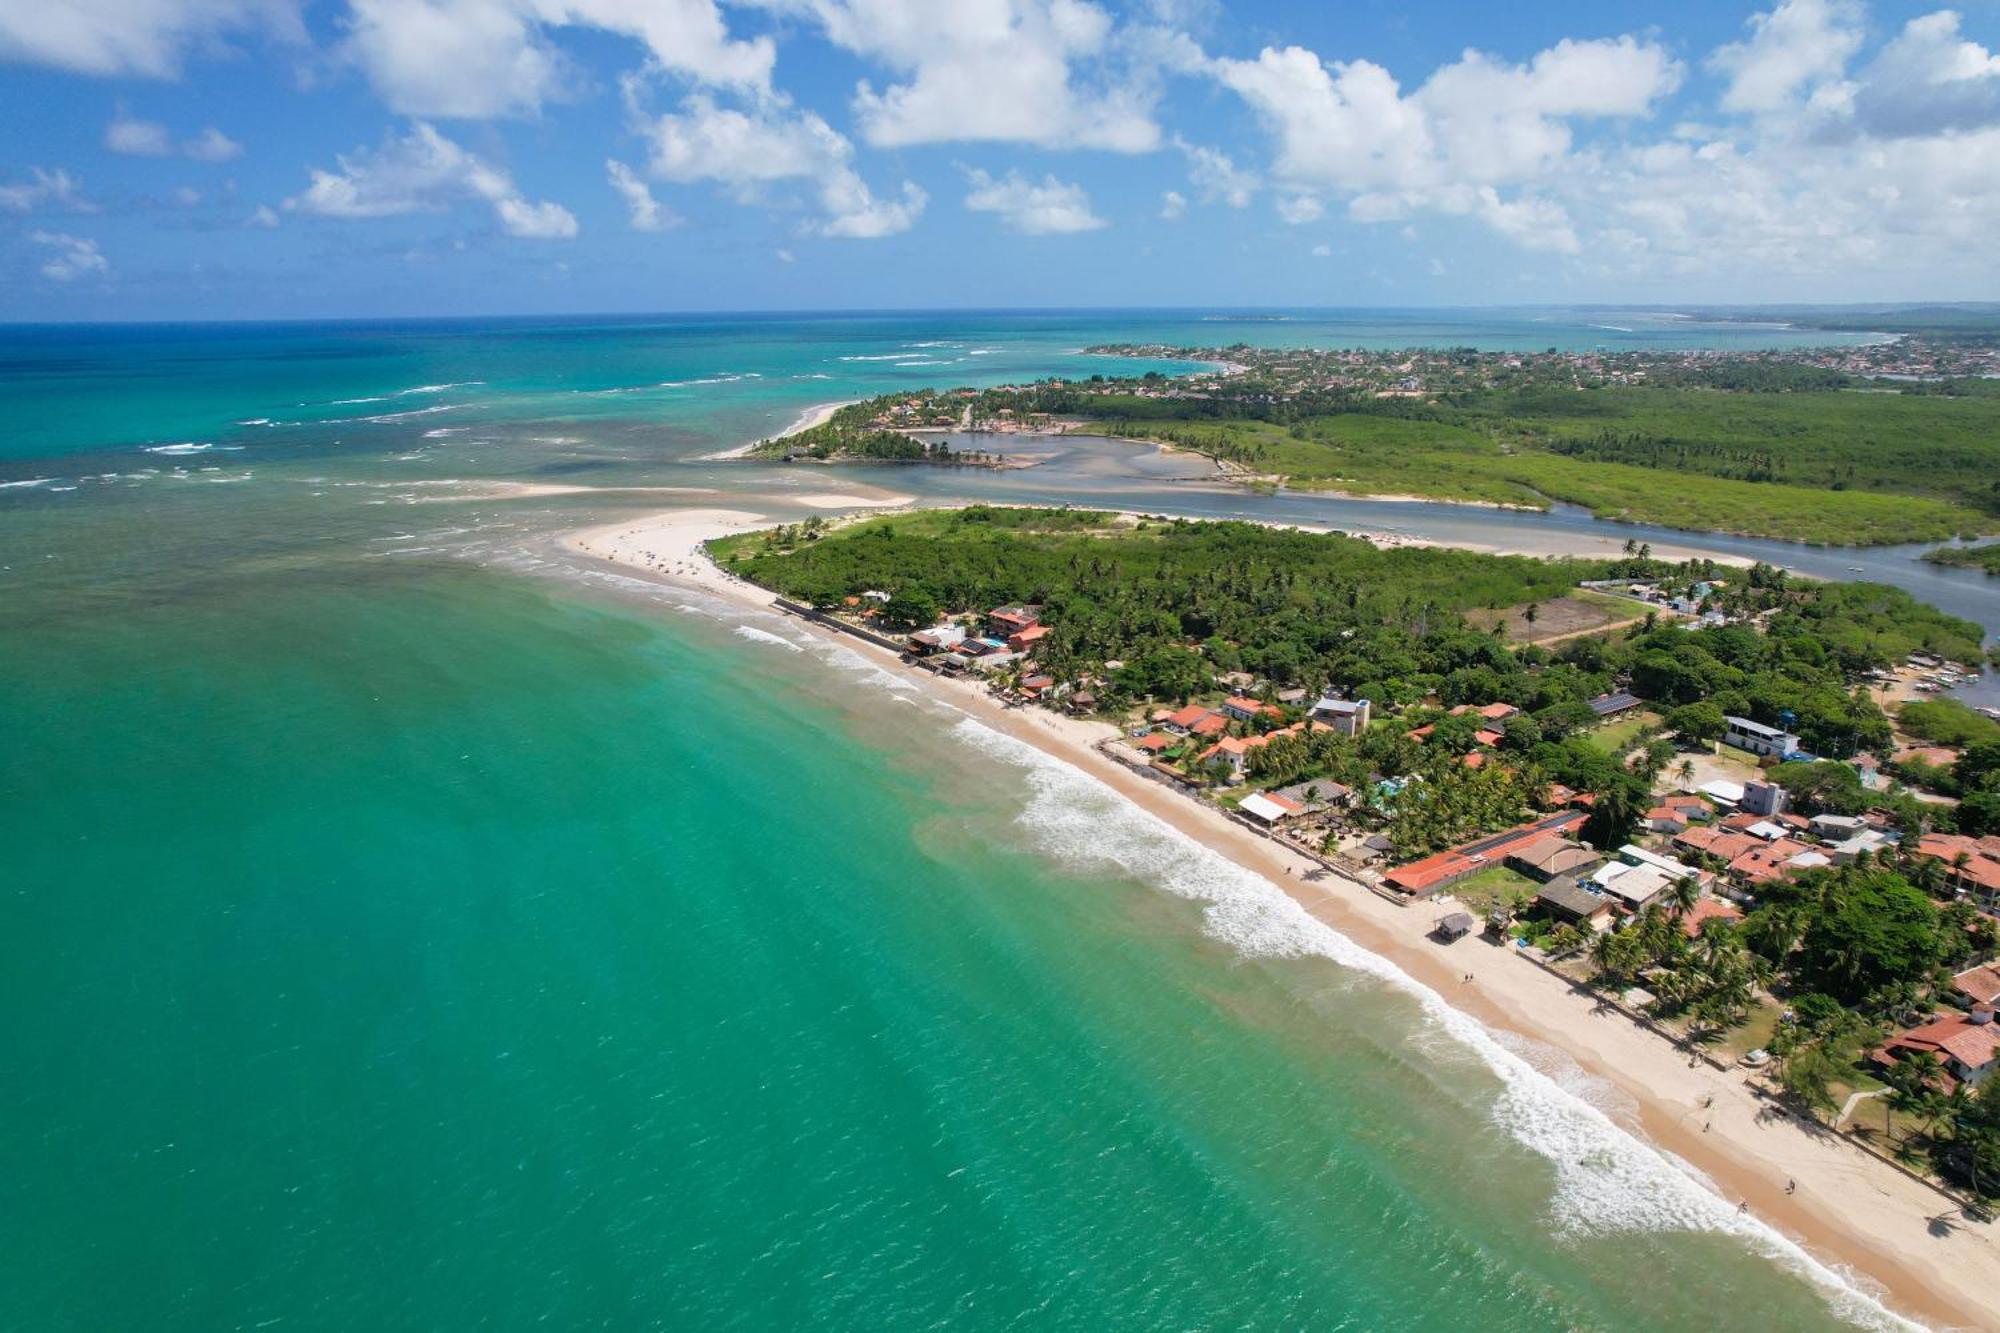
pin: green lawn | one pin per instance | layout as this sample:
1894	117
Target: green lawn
1495	886
1613	737
1754	1033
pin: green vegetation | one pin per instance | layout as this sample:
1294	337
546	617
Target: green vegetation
1985	557
1946	722
1495	887
1617	737
1175	603
853	433
1974	779
1855	950
1830	465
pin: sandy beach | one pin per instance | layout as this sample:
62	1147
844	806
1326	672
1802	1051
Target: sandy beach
812	416
1851	1212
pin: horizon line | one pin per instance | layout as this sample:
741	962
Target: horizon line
858	312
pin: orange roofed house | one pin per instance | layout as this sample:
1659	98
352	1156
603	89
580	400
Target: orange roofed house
1967	1045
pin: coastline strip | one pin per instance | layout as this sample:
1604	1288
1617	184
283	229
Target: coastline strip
1851	1217
813	416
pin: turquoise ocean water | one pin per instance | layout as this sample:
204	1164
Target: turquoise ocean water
409	926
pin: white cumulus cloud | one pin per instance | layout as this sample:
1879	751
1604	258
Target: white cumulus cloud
1928	80
71	257
212	145
748	150
44	187
648	213
1793	47
137	138
423	171
1215	176
1055	73
484	58
146	138
1048	208
1173	204
150	38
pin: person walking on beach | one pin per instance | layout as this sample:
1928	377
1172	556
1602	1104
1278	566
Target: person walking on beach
1791	1187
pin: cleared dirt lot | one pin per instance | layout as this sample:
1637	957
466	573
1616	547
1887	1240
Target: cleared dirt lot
1581	612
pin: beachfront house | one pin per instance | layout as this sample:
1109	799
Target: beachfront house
1006	620
1349	717
1639	877
1549	858
1566	900
937	639
1024	641
1196	720
1316	794
1269	808
1967	1045
1773	742
1636	886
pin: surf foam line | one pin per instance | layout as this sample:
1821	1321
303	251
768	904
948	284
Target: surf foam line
402	393
1607	1179
765	636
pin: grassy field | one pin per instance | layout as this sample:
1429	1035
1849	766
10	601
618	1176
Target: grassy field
1613	737
1835	467
1495	886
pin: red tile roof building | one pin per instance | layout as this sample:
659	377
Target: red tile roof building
1968	1049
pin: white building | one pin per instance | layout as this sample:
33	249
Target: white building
1349	717
1765	798
1758	738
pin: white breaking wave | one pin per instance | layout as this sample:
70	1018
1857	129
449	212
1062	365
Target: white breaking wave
721	378
413	412
32	481
891	356
765	636
848	660
1607	1180
180	450
405	393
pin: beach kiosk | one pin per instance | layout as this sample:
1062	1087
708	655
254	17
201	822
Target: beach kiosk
1453	927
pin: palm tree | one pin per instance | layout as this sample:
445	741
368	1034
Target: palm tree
1682	897
1685	772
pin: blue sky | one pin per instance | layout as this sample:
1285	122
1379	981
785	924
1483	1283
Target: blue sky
266	158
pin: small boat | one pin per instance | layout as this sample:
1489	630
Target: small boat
1856	569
